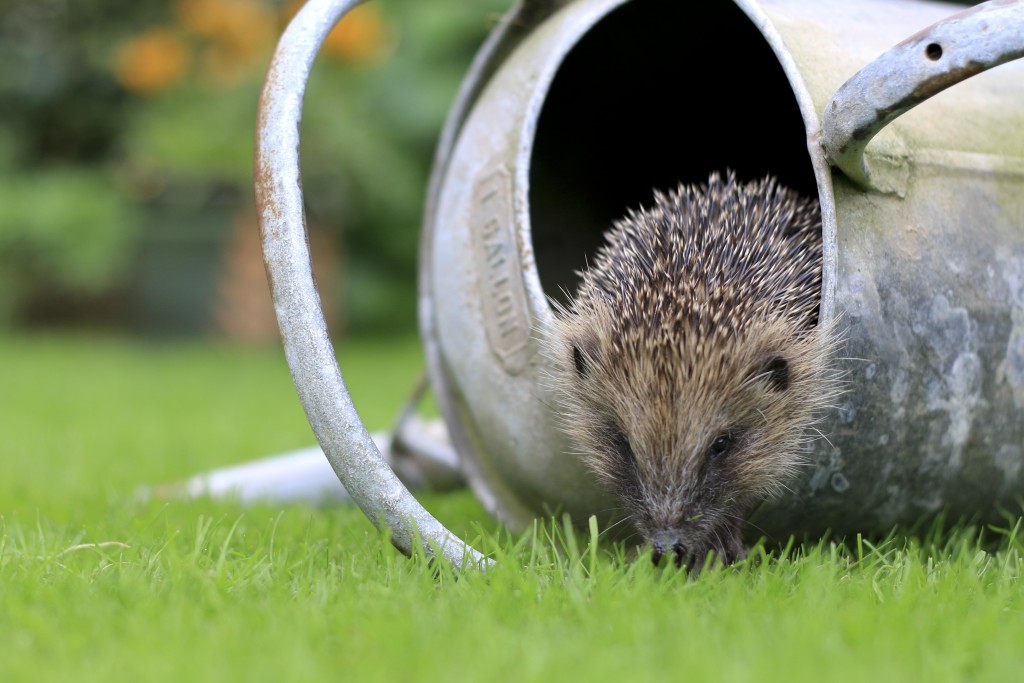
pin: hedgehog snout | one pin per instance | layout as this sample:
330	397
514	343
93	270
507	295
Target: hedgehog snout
665	542
688	546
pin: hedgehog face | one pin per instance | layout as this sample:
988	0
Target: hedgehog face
692	437
693	361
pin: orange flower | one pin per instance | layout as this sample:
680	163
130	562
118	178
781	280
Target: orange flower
241	33
361	36
205	17
151	61
248	25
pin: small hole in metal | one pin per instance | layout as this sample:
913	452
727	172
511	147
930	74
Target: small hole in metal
933	51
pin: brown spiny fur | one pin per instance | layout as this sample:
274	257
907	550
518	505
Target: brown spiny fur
691	362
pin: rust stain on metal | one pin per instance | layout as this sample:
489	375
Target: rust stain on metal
939	82
954	19
267	205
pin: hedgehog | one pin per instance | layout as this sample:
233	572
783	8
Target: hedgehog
690	363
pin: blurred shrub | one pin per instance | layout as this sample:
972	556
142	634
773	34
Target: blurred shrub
112	109
65	230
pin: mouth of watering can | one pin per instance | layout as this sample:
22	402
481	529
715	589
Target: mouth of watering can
601	103
645	101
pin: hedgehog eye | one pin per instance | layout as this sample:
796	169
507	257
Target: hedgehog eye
721	446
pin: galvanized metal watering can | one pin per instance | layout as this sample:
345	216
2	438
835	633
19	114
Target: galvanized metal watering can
572	111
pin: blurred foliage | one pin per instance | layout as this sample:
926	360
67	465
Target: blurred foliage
110	110
65	229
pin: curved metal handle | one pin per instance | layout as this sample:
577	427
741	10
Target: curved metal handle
355	459
923	65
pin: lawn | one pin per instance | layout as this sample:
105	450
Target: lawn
97	585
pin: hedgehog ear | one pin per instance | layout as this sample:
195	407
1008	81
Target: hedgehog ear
774	372
579	361
582	356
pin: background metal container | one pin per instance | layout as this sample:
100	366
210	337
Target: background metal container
569	117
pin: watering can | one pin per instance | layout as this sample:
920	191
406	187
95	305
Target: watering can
573	110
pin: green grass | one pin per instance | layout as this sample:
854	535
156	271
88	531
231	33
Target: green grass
95	585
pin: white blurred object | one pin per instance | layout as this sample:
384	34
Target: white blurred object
419	453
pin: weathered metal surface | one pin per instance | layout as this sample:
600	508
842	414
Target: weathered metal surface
354	457
919	67
926	285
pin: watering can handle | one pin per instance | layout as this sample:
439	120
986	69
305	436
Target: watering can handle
343	437
923	65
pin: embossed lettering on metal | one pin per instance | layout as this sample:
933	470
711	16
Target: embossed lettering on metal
500	271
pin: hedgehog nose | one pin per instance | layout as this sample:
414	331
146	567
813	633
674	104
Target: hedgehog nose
663	544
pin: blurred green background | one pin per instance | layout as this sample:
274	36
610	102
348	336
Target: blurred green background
126	135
